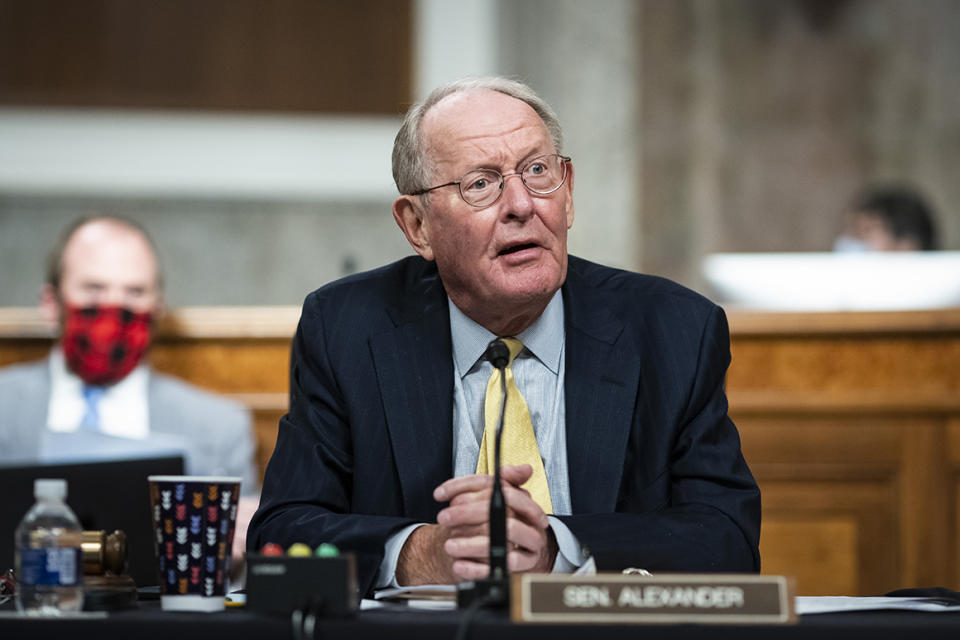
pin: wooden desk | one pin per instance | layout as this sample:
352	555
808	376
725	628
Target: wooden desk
148	622
850	422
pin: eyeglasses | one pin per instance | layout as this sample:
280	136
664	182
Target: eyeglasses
482	187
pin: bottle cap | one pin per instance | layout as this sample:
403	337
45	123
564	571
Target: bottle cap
50	488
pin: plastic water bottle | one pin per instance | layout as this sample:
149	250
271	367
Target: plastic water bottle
48	554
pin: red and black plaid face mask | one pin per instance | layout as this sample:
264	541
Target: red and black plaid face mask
103	344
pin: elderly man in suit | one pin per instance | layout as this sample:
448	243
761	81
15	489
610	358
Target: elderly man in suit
618	446
94	396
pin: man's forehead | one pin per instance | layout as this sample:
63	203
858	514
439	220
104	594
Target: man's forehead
102	247
468	120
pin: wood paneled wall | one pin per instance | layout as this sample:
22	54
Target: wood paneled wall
849	421
323	56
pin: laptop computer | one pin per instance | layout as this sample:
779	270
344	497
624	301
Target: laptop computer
105	495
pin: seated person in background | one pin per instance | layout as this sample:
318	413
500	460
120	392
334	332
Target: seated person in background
628	458
95	397
888	219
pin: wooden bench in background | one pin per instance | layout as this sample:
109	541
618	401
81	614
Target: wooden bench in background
850	422
851	425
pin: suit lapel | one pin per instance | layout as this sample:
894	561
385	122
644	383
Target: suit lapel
415	372
601	381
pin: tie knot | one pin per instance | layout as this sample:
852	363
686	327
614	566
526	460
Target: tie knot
93	394
515	347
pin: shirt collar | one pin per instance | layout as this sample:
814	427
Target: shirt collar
123	406
544	338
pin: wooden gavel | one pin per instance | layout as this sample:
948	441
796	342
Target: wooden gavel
104	553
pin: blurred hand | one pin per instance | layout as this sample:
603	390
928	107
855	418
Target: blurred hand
246	507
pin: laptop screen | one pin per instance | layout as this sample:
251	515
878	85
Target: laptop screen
105	495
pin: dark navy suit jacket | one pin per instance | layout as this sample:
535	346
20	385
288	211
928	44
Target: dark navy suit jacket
657	479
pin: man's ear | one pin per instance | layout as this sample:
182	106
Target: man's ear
409	213
49	304
569	187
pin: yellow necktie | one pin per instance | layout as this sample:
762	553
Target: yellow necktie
519	445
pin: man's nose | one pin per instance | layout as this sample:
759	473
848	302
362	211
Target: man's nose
518	201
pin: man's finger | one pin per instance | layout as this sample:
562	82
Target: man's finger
468	513
476	547
453	487
517	561
468	497
521	560
471	569
478	568
510	474
516	474
521	535
524	507
469	531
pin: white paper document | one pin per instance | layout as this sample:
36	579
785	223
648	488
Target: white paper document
420	592
806	605
427	596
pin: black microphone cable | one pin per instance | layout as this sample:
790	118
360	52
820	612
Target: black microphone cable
470	614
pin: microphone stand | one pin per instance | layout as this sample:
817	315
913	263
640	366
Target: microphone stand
493	591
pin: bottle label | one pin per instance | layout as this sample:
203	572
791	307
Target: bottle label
50	567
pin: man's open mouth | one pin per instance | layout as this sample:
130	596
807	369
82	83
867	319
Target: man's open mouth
516	247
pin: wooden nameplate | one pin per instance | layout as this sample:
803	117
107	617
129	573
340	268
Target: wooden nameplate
660	599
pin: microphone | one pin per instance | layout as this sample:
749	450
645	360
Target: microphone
498	355
494	591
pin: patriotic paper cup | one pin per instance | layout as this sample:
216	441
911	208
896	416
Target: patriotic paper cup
194	518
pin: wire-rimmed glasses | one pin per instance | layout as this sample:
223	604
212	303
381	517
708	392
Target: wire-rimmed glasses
482	187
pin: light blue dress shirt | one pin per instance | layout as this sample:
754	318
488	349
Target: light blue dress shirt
539	372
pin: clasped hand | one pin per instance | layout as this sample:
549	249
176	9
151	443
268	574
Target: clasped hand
458	547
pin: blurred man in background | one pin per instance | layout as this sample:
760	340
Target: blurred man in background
95	397
888	218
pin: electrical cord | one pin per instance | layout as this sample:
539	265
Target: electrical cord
470	613
303	620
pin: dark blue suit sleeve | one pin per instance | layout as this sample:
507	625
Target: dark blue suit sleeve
310	490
